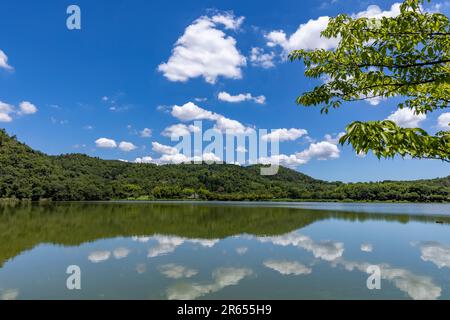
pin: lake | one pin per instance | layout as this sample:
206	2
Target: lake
186	250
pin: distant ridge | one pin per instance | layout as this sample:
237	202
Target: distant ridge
29	174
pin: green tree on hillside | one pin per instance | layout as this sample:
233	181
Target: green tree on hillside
405	56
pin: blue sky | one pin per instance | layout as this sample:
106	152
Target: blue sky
124	71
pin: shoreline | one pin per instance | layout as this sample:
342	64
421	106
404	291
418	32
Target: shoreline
131	200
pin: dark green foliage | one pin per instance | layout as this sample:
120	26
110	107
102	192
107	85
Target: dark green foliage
28	174
406	56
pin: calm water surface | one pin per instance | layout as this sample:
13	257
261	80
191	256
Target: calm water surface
224	250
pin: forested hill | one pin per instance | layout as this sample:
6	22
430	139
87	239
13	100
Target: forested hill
29	174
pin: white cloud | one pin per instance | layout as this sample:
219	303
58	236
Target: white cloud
9	294
27	107
163	149
222	278
259	58
435	252
168	244
230	126
322	151
241	149
415	286
206	51
406	118
99	256
308	35
5	112
141	239
366	247
334	140
4	61
375	100
225	96
173	159
179	130
228	20
190	112
282	159
174	271
127	146
209	158
444	121
288	267
121	253
325	250
106	143
145	133
284	134
374	11
146	159
241	250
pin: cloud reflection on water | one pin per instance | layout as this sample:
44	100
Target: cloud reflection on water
222	278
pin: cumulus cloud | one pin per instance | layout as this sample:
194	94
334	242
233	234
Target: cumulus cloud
308	35
222	278
145	133
259	58
435	252
288	267
282	159
366	247
284	134
325	250
241	250
406	118
206	51
230	126
127	146
4	61
146	159
173	159
141	239
415	286
163	149
5	112
334	139
225	96
190	112
9	294
99	256
105	143
27	107
323	150
174	271
179	130
168	244
374	11
444	121
121	253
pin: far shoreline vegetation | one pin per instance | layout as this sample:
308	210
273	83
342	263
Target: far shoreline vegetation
26	174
